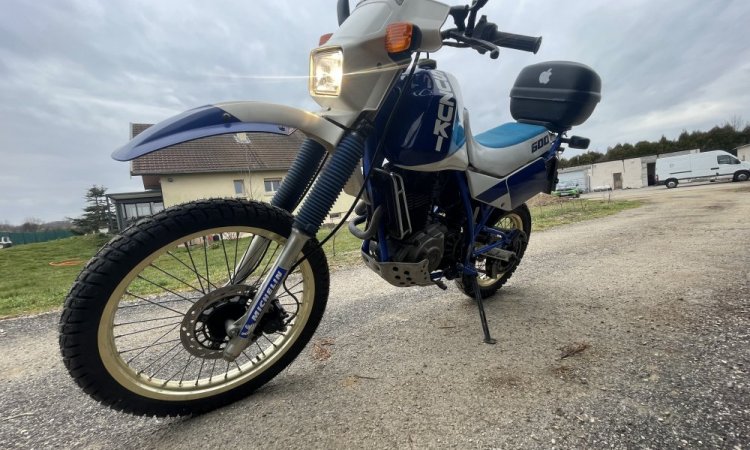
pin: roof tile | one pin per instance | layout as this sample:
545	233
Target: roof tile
224	153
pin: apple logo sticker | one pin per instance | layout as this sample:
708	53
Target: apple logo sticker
545	76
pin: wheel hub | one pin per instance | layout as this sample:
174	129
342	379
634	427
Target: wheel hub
517	245
203	329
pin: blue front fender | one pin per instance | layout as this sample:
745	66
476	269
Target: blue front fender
194	124
232	117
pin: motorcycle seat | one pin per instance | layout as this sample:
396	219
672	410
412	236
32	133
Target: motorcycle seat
509	134
506	148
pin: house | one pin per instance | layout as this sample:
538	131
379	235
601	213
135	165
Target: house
240	165
131	206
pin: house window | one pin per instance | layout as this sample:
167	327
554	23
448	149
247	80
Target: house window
335	215
239	187
144	209
272	184
157	207
130	211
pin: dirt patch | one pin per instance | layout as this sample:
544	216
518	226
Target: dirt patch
503	381
545	200
320	350
572	349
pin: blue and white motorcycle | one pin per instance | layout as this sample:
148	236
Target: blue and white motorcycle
204	302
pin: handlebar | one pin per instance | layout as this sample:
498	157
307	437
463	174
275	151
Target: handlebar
487	31
484	36
517	41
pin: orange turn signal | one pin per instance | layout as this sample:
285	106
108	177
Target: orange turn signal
324	38
398	37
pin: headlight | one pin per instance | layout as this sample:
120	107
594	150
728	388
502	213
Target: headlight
326	72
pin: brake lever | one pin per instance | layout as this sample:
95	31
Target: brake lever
479	45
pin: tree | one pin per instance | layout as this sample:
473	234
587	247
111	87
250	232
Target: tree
98	214
31	225
589	157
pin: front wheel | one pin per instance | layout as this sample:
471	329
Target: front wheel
489	282
741	176
144	326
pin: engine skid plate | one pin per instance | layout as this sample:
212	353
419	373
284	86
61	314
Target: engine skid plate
401	274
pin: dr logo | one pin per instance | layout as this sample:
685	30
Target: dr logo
545	76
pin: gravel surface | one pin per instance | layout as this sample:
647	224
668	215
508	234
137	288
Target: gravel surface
628	331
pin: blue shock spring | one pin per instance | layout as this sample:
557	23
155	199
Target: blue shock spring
300	175
326	190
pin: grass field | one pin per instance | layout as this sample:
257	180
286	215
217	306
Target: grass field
565	211
36	277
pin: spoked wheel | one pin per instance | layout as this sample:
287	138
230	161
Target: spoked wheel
144	326
492	274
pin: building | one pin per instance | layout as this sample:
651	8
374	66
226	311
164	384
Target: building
575	176
743	152
131	206
631	173
240	165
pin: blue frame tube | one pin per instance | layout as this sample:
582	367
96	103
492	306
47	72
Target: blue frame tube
376	200
463	189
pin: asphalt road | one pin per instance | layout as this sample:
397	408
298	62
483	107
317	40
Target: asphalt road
655	299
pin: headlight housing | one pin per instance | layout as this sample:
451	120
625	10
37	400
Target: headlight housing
326	72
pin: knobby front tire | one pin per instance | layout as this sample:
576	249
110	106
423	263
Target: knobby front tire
143	327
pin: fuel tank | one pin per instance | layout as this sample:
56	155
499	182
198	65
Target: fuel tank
427	132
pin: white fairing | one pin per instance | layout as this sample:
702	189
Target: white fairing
322	131
368	69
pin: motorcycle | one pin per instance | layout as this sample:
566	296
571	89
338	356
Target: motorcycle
202	303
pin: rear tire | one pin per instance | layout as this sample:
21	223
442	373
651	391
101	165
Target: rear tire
166	282
671	183
519	218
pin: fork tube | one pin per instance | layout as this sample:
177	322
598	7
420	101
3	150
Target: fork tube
289	195
306	225
242	329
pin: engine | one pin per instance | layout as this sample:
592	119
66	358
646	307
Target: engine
425	244
417	226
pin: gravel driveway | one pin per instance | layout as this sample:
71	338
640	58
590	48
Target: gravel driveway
628	331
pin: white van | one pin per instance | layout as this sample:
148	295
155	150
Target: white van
716	164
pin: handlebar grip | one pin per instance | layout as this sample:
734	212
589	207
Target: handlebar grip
517	41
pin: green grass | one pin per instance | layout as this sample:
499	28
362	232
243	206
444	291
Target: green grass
575	210
29	284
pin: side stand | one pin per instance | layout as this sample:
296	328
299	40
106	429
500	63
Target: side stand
482	316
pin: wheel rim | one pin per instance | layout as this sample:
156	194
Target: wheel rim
139	335
511	221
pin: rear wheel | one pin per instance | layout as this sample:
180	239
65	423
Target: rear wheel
144	326
490	280
671	183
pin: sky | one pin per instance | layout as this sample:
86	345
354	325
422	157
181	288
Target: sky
75	73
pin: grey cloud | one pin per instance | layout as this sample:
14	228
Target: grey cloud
76	72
